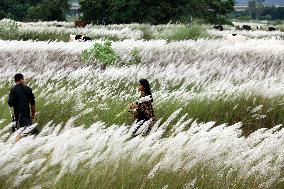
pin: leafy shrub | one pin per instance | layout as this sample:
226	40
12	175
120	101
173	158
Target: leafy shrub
146	33
8	29
135	57
107	56
184	32
101	52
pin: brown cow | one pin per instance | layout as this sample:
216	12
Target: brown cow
218	27
81	23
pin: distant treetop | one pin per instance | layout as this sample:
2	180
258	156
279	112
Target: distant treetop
266	2
35	10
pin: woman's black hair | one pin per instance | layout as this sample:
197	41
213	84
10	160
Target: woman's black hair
147	89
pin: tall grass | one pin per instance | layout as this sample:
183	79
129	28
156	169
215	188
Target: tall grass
202	156
254	112
49	31
211	97
183	32
11	30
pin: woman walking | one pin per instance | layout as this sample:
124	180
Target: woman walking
143	109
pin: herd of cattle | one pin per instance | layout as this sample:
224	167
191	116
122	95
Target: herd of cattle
81	23
237	36
244	27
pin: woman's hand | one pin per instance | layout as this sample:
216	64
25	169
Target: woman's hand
132	106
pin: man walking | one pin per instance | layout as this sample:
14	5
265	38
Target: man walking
22	99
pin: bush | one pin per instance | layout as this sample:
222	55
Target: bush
146	33
101	52
107	56
184	32
9	29
135	57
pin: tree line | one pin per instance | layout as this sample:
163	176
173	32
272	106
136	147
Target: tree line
155	12
34	10
120	11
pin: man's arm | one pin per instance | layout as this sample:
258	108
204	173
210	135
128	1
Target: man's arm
11	99
33	109
32	103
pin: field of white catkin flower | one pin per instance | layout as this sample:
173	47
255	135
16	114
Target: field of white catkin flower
219	105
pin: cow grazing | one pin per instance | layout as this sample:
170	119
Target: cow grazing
79	38
218	27
246	27
81	23
238	27
86	38
271	29
259	28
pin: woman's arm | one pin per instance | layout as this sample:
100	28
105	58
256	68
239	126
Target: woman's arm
133	105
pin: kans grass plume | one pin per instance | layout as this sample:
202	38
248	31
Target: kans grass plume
197	153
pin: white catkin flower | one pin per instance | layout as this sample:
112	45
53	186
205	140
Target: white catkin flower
261	116
165	187
190	184
103	106
2	99
152	173
256	109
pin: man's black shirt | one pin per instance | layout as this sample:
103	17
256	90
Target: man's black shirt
20	98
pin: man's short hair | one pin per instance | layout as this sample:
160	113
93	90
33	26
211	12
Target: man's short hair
18	77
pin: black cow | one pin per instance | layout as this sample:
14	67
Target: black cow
80	38
271	29
218	27
246	27
86	38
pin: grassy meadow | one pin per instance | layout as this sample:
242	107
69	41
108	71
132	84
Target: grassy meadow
218	102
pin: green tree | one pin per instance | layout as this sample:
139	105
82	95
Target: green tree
48	10
154	12
95	10
213	11
23	10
